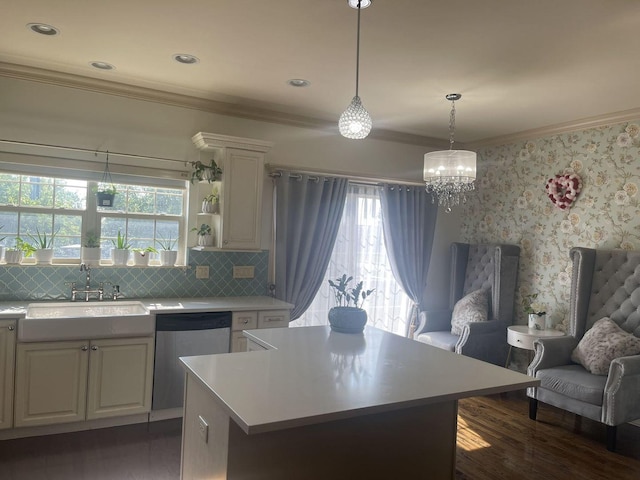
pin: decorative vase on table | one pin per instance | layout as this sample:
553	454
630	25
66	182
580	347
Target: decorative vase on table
536	321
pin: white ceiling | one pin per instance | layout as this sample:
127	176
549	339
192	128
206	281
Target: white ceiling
520	65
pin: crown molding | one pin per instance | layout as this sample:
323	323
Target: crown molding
573	126
96	85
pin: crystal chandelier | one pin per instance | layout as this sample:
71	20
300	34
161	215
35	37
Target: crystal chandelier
355	121
449	174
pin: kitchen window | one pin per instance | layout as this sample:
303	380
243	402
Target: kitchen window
67	207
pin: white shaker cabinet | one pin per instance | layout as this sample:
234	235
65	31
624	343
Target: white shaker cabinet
252	320
58	382
238	226
7	362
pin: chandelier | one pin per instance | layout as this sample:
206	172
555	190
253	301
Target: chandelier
355	122
449	174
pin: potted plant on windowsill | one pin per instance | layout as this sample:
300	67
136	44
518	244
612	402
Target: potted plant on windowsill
43	248
345	318
22	249
205	237
120	250
202	172
141	256
90	251
168	253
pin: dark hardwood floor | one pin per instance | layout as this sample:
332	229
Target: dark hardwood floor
496	441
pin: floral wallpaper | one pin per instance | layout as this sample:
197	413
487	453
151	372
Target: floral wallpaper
511	205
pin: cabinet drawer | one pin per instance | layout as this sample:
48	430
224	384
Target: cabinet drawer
273	319
244	320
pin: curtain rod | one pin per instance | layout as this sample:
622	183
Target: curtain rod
276	171
95	152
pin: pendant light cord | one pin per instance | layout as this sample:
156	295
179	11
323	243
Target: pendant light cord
452	123
358	51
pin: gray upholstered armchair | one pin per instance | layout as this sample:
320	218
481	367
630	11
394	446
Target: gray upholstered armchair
605	283
474	267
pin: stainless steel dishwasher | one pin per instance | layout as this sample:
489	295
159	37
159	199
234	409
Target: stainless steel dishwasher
183	335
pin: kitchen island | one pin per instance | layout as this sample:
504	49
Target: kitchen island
316	404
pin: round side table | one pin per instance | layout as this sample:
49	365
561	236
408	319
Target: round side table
521	336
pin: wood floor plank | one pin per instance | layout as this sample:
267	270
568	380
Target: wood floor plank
496	441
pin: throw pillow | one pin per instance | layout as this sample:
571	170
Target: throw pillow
602	343
474	307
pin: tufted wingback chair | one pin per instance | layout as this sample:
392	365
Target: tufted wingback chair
605	283
476	266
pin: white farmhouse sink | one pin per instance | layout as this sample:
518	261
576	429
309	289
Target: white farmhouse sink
84	320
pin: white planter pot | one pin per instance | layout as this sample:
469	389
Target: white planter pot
13	257
168	257
536	322
119	256
1	252
205	240
44	256
141	259
208	207
90	255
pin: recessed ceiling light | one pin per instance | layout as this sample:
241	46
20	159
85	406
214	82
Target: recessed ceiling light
363	3
185	58
299	82
102	65
43	29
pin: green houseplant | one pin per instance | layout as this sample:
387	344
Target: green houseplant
348	316
14	254
141	255
168	253
90	251
120	250
43	246
211	203
105	194
205	235
201	171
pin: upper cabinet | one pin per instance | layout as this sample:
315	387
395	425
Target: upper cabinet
237	224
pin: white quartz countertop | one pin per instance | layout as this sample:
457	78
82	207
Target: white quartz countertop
313	375
175	305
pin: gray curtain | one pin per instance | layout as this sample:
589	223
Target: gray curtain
308	213
409	222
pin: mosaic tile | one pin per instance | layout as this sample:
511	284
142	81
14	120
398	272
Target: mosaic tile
52	282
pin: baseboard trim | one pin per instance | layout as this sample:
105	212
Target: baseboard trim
23	432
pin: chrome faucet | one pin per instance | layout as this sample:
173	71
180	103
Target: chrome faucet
87	287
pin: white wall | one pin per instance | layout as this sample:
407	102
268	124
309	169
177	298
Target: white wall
49	114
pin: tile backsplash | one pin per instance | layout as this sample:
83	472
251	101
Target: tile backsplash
49	282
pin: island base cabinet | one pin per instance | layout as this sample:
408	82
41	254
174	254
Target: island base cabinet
412	443
59	382
7	359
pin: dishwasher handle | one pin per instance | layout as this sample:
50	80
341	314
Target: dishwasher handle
180	322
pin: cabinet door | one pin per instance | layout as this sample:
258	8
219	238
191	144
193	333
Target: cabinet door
242	198
7	363
238	342
120	377
51	382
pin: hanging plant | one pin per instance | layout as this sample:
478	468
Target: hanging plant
106	189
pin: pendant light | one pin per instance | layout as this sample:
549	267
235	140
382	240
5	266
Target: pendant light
449	174
355	121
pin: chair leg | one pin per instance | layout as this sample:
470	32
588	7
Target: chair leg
611	437
533	408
